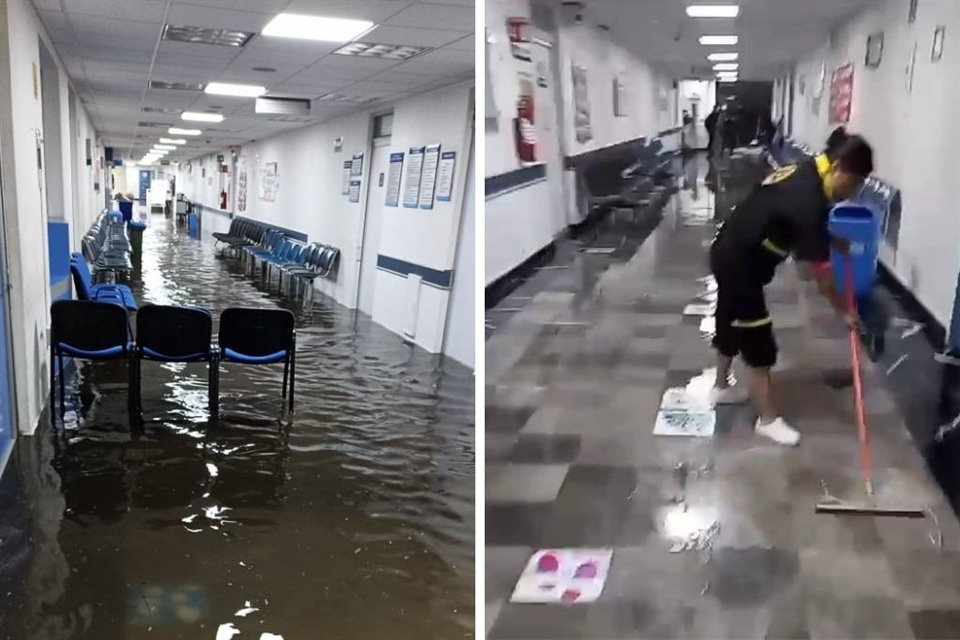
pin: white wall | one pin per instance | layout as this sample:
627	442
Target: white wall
309	199
915	134
21	118
522	222
704	94
460	341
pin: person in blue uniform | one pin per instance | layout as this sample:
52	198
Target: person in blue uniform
787	214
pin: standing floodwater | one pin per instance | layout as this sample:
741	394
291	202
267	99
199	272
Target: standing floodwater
350	519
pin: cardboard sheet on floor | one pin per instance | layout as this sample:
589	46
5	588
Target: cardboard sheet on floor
685	422
563	576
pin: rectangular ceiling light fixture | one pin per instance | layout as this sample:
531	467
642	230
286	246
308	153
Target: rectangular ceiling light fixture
201	117
713	10
723	57
143	123
389	51
718	40
340	97
164	147
177	131
173	141
726	66
239	90
176	86
302	27
204	35
727	79
283	106
159	110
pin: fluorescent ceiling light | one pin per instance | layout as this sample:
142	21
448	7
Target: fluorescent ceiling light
176	86
713	10
177	131
726	66
201	117
173	141
204	35
727	74
727	79
718	40
389	51
291	25
164	147
240	90
723	57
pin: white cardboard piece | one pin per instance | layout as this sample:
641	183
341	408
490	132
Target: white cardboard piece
563	576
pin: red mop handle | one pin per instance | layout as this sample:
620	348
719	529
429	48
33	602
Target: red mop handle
862	431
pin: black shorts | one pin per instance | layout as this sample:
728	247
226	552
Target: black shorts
743	323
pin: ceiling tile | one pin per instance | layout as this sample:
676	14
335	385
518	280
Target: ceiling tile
254	6
438	16
216	17
143	10
374	10
386	34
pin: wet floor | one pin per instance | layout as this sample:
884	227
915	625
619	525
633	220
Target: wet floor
351	518
713	536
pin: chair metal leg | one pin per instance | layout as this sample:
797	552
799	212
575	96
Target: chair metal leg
53	384
211	386
286	372
293	369
215	398
63	390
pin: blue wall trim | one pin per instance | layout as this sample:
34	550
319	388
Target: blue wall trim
513	180
439	279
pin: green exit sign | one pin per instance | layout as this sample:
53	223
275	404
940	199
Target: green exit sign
220	158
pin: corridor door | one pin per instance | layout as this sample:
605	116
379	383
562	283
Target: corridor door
373	220
7	432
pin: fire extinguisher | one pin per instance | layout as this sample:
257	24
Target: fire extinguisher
223	199
524	130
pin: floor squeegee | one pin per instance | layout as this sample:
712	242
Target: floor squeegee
868	506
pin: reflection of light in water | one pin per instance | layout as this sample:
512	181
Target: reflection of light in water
690	528
227	631
708	326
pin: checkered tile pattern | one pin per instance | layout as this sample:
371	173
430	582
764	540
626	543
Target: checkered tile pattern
712	537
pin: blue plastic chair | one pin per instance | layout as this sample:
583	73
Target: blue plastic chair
87	290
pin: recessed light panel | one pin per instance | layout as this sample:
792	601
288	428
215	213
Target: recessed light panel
718	40
177	131
204	35
153	124
723	57
713	10
199	116
726	66
173	141
159	110
176	86
389	51
238	90
303	27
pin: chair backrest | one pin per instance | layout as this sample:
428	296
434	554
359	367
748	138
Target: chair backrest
81	276
175	334
88	326
256	332
296	256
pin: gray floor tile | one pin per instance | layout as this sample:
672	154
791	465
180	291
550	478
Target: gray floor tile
541	448
935	624
833	616
927	579
524	482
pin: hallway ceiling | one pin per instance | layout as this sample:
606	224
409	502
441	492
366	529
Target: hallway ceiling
772	33
112	50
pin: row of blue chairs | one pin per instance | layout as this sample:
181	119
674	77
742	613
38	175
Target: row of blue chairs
87	289
106	246
98	330
292	258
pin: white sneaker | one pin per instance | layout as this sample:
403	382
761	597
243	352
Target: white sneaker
780	432
734	394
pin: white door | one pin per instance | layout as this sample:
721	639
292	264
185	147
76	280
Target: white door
376	196
548	132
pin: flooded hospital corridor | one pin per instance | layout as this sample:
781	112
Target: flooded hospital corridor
352	517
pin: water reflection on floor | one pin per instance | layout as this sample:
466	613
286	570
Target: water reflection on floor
352	518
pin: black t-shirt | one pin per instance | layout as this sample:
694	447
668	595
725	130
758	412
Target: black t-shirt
786	214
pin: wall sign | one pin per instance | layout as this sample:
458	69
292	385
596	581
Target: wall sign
428	182
518	29
393	179
448	163
937	51
874	50
354	191
841	93
270	182
911	63
581	103
619	96
411	189
345	177
356	166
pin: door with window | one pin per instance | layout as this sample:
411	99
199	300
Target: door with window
7	432
373	221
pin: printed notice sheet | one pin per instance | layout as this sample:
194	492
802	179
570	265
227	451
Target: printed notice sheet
411	189
356	167
345	178
393	179
431	159
448	163
354	191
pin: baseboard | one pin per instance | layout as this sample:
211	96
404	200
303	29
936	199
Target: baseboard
508	282
935	332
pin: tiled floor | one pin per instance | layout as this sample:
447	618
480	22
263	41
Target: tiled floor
712	537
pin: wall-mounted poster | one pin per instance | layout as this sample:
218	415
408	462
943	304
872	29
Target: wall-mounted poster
518	30
411	189
581	103
841	93
356	165
911	63
448	163
354	191
431	161
269	182
619	96
524	132
393	179
937	52
345	177
874	50
242	184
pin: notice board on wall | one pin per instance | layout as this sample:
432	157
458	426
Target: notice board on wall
841	93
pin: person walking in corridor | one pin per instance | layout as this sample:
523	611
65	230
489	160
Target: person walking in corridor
710	122
786	214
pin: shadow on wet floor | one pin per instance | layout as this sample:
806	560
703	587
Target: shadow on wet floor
350	518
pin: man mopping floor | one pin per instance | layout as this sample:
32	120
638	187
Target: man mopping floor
787	214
